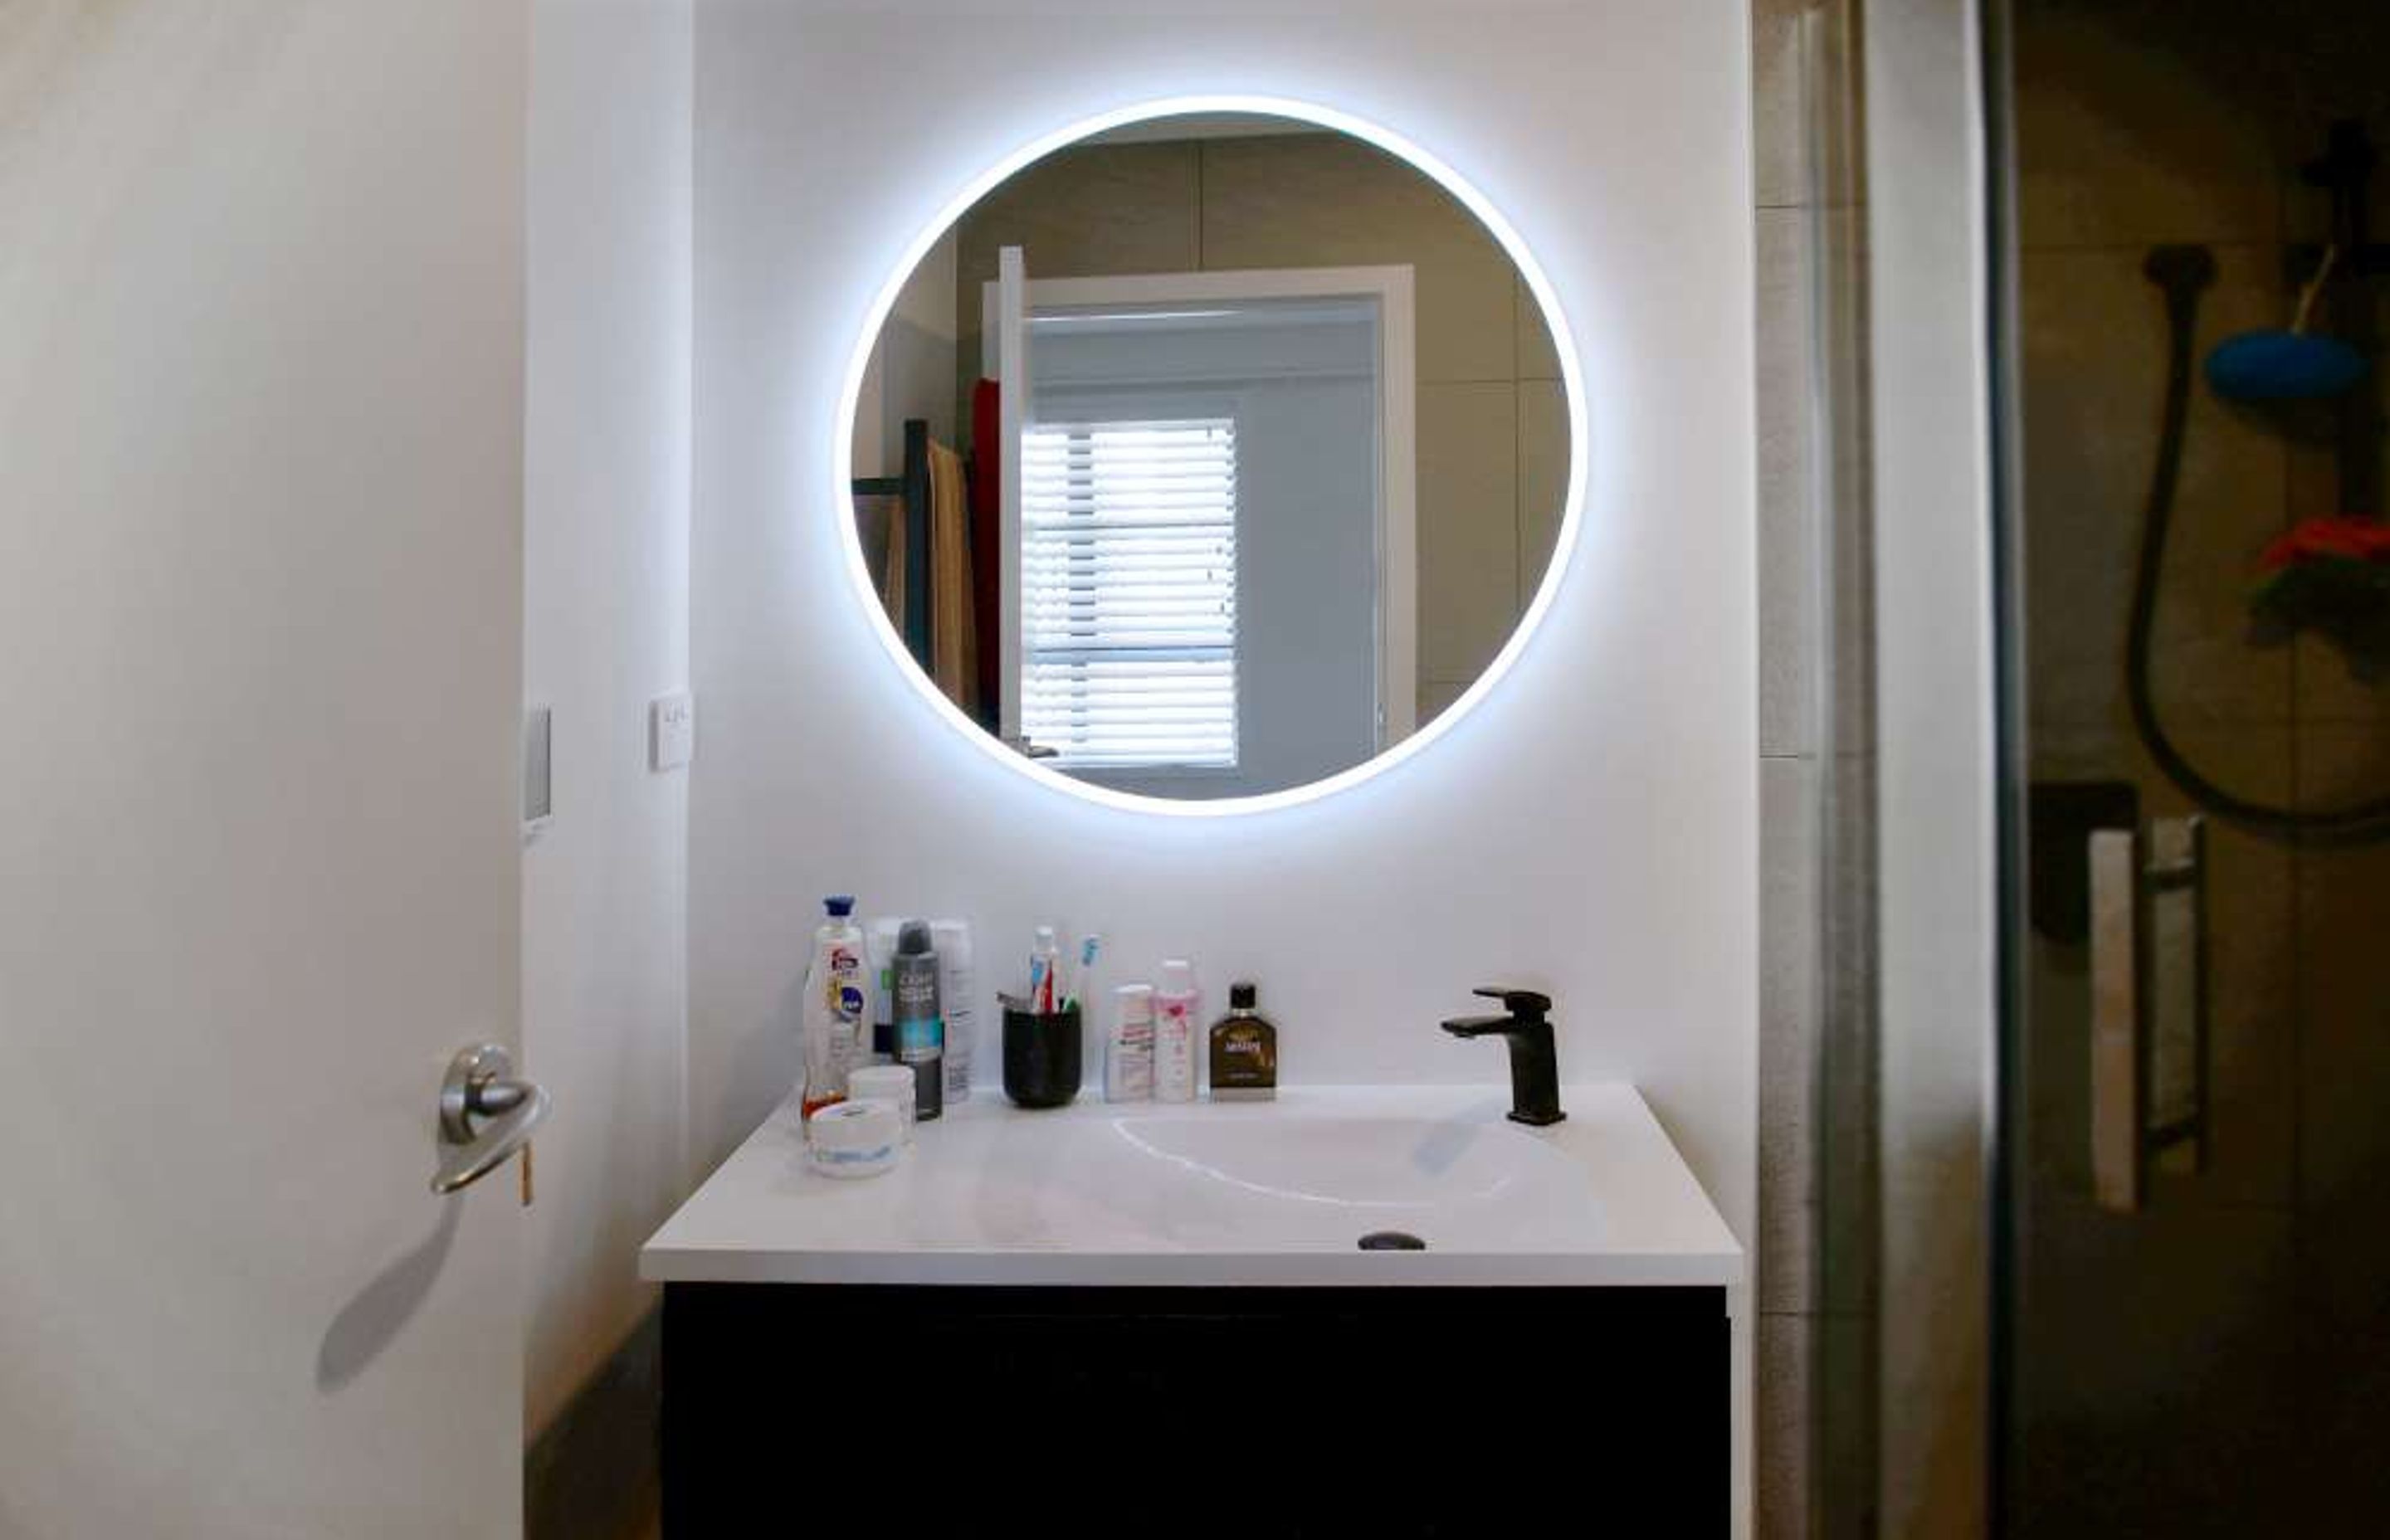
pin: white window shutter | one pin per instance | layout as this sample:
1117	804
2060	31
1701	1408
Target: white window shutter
1128	592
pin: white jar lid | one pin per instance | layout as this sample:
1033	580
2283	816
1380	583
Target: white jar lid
855	1139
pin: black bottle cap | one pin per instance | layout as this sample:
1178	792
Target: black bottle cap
1241	996
913	939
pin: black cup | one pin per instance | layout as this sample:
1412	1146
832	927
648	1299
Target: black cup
1041	1057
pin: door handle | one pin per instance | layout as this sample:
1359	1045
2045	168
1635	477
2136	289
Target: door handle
481	1086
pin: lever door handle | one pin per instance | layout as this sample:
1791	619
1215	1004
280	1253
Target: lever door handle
482	1088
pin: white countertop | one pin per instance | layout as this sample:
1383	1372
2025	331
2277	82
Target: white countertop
1252	1193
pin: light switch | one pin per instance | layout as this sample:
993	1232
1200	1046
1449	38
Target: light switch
671	730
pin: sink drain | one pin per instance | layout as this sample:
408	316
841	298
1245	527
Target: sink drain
1392	1240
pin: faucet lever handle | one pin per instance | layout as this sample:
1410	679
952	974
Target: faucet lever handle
1518	1002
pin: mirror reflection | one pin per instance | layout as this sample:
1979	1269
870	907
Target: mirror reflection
1210	456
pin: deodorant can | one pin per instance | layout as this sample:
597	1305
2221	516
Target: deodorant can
920	1029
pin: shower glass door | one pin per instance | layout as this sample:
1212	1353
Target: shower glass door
2194	1257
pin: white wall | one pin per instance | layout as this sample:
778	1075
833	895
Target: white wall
1591	829
605	627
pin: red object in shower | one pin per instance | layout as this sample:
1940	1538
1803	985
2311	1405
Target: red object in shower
2348	537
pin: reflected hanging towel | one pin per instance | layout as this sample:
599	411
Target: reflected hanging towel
953	639
987	521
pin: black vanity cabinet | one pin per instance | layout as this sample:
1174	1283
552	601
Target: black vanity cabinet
1232	1411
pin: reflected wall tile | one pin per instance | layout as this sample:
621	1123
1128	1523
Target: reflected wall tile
1537	359
1326	201
1437	696
1468	525
1543	478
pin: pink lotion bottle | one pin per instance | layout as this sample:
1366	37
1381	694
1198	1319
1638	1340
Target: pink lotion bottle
1178	1032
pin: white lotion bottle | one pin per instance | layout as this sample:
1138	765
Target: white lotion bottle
1128	1051
957	988
1178	1032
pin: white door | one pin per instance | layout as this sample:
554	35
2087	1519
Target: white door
261	324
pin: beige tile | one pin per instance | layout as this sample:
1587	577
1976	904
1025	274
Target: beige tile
2344	1053
1847	1405
1537	359
1782	1427
1788	411
1847	1166
2154	1376
1843	341
2094	364
1543	477
2343	972
1789	937
1468	526
1328	200
2120	142
2251	994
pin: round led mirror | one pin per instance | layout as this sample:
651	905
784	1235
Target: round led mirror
1211	456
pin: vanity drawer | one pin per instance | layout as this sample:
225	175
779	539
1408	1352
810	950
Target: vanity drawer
1252	1410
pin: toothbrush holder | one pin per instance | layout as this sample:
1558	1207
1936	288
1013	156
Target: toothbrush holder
1042	1057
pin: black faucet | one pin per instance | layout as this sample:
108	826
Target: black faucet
1535	1070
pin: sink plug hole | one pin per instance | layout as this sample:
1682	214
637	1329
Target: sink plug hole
1392	1240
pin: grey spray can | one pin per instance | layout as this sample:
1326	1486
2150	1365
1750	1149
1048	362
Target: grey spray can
920	1025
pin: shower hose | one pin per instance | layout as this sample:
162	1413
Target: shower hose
2180	272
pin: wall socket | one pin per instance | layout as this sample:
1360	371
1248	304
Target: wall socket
671	731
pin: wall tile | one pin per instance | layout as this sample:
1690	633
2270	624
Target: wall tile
2343	970
1543	478
2158	1342
1468	529
1788	941
1782	1427
1325	200
1779	136
1789	632
2094	365
2120	142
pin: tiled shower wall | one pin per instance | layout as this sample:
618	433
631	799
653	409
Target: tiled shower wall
1816	1256
2267	1274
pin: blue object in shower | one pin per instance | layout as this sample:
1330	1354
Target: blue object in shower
2282	365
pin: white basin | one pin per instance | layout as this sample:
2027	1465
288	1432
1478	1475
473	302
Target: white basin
1190	1179
1244	1193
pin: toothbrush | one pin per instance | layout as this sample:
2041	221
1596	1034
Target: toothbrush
1087	951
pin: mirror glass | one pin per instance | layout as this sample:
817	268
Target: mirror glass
1210	455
